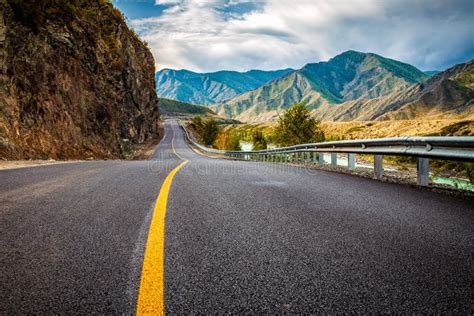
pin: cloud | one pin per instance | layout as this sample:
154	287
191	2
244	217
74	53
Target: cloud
209	35
164	2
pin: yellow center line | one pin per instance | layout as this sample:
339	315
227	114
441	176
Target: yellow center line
174	150
151	299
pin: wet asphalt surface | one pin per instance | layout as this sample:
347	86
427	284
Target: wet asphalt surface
239	237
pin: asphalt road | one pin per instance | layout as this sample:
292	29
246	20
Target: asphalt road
239	237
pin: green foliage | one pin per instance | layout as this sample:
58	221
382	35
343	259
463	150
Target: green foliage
297	126
197	123
234	143
174	107
259	141
227	141
440	166
470	171
210	130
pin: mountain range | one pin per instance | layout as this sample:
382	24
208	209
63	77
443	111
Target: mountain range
209	88
348	76
448	94
350	86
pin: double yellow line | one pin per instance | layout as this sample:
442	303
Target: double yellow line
151	293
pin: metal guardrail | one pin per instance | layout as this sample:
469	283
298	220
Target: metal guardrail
459	148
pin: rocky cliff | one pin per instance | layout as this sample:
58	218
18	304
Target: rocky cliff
75	81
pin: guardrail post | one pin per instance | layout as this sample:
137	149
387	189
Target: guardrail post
321	159
334	160
378	166
308	157
351	161
423	167
315	157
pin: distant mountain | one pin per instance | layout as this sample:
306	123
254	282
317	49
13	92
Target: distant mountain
177	108
349	76
209	88
449	94
431	73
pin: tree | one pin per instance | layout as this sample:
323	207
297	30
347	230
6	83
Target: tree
197	123
297	126
209	131
227	141
259	141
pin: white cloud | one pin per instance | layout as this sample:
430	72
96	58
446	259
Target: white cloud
207	35
167	2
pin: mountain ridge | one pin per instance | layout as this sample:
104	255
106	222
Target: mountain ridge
348	76
211	87
448	94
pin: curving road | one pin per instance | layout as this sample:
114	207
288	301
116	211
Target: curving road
238	237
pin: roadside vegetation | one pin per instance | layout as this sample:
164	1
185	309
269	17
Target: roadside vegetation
207	129
259	141
297	126
378	129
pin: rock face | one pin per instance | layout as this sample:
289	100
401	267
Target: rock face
75	82
208	88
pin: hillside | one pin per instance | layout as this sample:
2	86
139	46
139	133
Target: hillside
348	76
176	108
209	88
76	82
448	94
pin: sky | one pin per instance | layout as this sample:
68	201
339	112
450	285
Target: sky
211	35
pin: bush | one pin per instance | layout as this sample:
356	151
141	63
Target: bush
227	141
259	141
297	126
197	123
210	130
